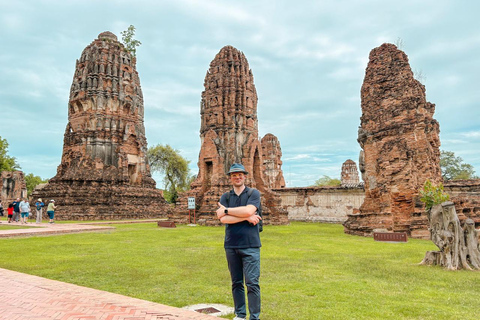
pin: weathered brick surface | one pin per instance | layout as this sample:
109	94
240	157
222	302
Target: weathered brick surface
329	204
349	174
334	204
26	297
13	187
229	134
465	194
104	173
272	162
400	143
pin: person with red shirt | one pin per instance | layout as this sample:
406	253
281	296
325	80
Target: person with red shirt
10	212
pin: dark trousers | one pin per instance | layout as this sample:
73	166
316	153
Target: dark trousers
245	263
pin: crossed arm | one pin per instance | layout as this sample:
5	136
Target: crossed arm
238	214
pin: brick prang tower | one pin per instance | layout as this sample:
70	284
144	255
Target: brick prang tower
229	134
104	173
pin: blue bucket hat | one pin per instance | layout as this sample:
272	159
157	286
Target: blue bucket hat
237	167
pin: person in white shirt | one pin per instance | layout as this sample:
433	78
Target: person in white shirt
24	210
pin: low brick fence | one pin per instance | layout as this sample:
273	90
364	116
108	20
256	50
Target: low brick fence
321	204
332	204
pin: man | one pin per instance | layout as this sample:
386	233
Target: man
16	210
237	210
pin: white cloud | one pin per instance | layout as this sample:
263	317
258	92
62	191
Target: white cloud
471	134
298	157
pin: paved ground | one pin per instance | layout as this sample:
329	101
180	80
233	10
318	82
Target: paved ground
35	229
30	297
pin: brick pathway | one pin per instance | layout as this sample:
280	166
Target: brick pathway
27	297
35	229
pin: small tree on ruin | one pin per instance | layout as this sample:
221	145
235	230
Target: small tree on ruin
458	245
432	195
128	40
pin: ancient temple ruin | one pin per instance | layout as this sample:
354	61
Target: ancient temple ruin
13	186
272	162
400	143
229	134
349	174
104	173
465	194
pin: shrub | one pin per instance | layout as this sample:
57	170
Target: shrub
432	195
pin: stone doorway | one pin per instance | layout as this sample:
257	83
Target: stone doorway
208	174
132	173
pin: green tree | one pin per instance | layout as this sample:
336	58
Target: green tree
327	181
432	195
128	40
32	181
7	163
453	167
168	161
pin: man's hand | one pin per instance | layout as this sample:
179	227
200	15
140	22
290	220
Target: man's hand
221	211
254	219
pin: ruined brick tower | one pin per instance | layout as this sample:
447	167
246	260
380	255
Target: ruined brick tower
104	173
400	143
229	134
13	186
272	162
349	175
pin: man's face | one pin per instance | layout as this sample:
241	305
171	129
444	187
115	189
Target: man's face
237	179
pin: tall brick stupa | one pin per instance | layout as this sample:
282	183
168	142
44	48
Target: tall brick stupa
104	173
349	174
272	162
229	134
400	147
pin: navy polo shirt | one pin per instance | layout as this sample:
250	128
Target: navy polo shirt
241	235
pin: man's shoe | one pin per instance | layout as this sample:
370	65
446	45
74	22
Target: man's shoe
237	318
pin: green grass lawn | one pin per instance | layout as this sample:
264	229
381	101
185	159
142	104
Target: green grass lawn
309	271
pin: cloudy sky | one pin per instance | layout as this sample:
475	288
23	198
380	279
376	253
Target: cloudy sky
308	59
